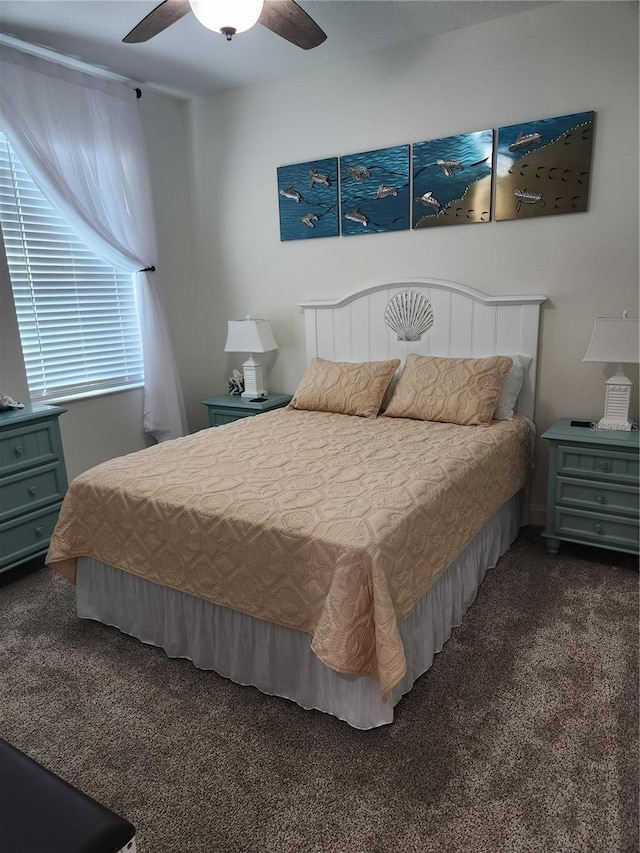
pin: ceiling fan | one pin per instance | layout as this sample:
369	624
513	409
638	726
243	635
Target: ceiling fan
283	17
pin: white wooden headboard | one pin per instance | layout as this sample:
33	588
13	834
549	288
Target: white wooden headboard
466	324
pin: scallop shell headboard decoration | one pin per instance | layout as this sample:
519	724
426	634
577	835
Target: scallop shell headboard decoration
409	315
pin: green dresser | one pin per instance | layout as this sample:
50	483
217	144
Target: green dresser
593	488
33	481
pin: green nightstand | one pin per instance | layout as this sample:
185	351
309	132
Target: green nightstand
225	410
593	488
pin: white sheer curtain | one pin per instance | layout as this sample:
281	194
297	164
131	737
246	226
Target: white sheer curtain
80	138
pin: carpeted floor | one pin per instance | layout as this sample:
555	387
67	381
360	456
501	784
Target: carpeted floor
522	737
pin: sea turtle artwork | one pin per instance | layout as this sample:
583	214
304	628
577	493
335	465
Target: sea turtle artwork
308	200
543	167
318	178
384	191
525	196
292	193
428	200
525	140
374	191
450	167
357	216
309	219
452	180
358	173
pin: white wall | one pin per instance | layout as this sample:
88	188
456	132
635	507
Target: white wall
563	58
166	129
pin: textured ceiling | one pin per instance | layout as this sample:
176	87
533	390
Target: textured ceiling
188	60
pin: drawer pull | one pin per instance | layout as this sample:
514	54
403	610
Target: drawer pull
32	490
601	499
598	528
603	465
19	450
39	531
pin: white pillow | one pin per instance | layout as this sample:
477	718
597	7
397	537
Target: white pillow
511	388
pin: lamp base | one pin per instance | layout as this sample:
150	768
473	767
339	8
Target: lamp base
253	379
606	423
616	402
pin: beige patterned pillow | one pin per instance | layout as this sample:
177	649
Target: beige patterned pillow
452	390
344	387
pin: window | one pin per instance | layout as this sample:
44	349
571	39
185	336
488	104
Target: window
77	315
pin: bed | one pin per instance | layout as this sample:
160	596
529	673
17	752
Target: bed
325	551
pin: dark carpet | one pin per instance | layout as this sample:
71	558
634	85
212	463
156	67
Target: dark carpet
522	737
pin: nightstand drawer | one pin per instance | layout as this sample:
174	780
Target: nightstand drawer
598	464
227	409
607	531
27	536
28	446
599	497
220	418
31	490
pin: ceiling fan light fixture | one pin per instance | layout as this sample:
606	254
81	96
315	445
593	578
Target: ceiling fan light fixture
227	16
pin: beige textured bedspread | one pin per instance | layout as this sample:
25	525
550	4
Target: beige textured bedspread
330	524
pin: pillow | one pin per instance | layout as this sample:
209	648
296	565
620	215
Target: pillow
511	388
344	387
453	390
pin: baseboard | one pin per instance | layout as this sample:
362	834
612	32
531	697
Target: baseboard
537	515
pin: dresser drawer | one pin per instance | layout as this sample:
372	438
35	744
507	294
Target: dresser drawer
31	445
23	538
598	497
609	531
598	464
30	490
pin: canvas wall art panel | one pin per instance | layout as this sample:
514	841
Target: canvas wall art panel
374	191
308	199
452	180
543	167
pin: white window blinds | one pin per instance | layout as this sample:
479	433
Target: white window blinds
77	315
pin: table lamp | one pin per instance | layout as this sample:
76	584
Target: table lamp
251	335
615	340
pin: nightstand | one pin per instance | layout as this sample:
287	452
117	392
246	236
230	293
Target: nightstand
33	481
224	410
593	488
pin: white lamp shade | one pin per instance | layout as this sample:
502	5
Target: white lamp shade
249	336
615	340
218	15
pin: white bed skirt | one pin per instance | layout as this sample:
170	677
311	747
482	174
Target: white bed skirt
278	660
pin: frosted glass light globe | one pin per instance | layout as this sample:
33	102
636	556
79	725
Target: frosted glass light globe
227	16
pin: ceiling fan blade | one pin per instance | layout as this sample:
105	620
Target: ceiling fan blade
291	22
159	19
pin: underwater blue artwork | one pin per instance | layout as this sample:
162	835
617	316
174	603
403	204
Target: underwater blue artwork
308	199
543	167
374	191
452	180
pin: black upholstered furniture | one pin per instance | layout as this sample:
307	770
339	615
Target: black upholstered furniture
41	813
